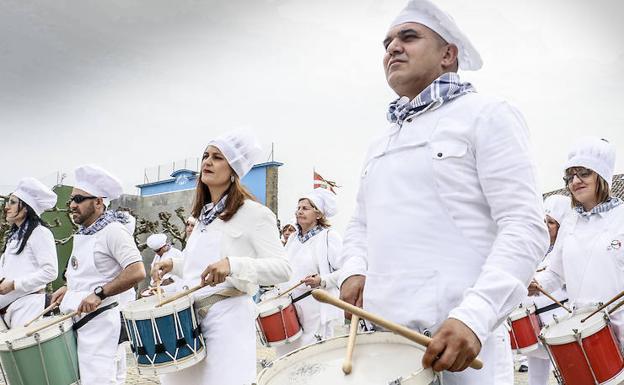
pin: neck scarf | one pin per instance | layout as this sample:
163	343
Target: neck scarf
309	234
104	220
603	207
211	211
445	88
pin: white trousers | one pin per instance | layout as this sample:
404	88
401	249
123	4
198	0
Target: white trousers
539	370
504	357
120	364
485	376
24	309
97	347
229	331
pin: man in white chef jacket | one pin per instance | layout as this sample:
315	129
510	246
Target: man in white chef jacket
104	263
164	250
448	226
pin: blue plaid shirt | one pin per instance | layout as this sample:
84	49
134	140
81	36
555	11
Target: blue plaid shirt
603	207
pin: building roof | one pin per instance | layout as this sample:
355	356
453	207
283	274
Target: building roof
617	189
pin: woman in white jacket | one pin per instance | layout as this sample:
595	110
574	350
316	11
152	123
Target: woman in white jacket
234	247
29	261
313	253
590	259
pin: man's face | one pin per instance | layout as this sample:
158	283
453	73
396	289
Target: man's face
415	56
553	228
84	210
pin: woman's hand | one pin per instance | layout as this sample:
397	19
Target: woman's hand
313	281
7	287
534	288
161	268
216	273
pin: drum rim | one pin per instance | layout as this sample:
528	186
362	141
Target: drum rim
285	300
163	368
176	306
375	336
520	312
45	335
593	325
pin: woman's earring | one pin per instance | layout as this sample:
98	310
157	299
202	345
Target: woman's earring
232	178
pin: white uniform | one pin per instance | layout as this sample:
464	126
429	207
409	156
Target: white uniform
96	260
590	261
449	222
31	271
169	254
250	241
318	255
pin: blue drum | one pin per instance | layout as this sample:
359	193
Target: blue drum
164	339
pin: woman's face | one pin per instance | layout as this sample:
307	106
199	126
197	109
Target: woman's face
15	212
288	231
553	228
189	228
215	170
583	185
306	215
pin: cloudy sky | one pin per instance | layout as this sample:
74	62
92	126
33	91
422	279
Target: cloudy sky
130	84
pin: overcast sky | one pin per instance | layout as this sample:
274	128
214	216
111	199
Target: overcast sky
130	84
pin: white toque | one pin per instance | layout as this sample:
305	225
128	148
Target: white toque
36	195
595	154
240	148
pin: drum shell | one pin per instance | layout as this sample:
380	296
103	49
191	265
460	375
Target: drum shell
524	331
279	324
24	363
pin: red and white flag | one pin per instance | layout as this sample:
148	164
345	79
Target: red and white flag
320	182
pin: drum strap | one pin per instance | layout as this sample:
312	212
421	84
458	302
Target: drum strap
83	321
549	307
302	296
204	304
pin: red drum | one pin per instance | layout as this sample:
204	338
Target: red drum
278	322
584	353
525	329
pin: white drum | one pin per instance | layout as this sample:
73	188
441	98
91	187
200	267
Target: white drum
379	358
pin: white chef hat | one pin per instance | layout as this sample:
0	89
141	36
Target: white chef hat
240	148
556	207
324	200
156	241
192	220
595	154
98	182
36	195
428	14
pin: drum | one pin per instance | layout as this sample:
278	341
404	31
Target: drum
378	358
48	357
584	353
277	322
164	339
525	328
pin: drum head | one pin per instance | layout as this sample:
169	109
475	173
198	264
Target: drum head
378	358
521	312
18	339
145	308
562	332
272	306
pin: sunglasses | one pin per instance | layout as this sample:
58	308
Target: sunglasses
80	198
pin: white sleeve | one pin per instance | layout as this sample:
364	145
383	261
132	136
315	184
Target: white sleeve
552	278
354	245
121	245
270	265
507	177
334	258
42	244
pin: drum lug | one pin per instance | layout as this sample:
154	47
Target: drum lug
398	381
556	318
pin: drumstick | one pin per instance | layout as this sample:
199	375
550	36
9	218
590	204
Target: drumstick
604	306
52	306
290	289
179	295
347	365
614	308
158	293
55	321
323	296
552	298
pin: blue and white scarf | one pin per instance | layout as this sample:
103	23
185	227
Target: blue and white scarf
603	207
445	88
18	234
104	220
211	211
309	234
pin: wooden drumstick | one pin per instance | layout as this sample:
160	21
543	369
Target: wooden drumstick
290	289
614	308
158	293
51	323
52	306
552	298
179	295
604	306
323	296
347	365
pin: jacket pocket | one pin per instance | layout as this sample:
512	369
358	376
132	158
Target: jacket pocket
408	298
445	149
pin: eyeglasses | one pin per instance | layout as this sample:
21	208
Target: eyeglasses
582	174
80	198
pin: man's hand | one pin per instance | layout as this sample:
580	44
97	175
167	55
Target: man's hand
313	281
534	288
7	287
453	347
89	304
58	295
161	268
216	273
352	291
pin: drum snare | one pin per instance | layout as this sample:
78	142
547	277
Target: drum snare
278	322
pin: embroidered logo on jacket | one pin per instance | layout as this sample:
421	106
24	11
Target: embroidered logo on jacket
615	245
